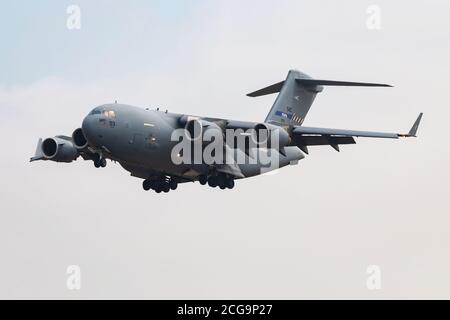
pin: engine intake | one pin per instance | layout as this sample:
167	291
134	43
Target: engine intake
79	140
201	129
59	150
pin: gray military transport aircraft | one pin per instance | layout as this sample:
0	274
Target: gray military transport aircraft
143	142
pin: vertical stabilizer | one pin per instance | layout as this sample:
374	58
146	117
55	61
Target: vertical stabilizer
297	94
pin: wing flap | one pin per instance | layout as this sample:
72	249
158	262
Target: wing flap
323	140
345	133
300	130
303	141
311	136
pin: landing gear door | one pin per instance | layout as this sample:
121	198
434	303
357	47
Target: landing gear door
137	141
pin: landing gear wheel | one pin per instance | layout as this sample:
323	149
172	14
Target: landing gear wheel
146	184
212	182
173	184
203	179
221	182
100	162
230	184
166	187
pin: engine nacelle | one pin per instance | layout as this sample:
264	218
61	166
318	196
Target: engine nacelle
59	150
271	136
79	140
262	134
201	129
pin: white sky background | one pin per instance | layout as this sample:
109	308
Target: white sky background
309	231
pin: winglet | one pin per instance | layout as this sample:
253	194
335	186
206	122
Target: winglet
413	131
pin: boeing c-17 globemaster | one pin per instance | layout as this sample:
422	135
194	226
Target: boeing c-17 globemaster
142	140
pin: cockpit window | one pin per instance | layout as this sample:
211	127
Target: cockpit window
103	112
109	113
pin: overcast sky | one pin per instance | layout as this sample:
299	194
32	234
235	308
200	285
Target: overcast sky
308	231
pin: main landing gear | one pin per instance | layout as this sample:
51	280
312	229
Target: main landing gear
223	181
100	162
161	184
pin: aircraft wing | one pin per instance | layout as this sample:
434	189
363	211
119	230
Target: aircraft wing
311	136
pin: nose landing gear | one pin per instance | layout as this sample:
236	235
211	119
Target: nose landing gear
100	162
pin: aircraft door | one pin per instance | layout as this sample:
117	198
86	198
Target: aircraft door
151	141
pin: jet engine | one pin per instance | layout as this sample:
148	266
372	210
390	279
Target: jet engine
201	129
59	150
79	140
271	136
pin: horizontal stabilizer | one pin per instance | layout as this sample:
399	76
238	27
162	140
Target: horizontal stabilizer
267	90
316	82
306	82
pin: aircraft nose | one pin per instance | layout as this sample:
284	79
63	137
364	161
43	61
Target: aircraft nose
88	127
